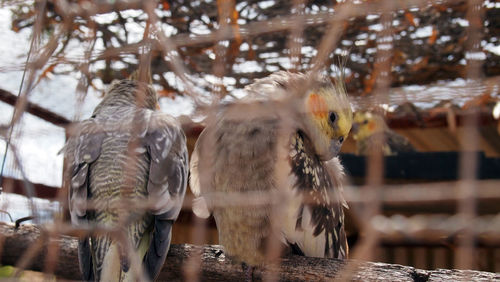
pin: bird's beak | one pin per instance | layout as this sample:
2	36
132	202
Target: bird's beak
354	128
334	149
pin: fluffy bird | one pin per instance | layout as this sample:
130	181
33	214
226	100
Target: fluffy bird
368	127
240	152
126	155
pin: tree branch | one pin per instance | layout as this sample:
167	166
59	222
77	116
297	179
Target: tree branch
217	267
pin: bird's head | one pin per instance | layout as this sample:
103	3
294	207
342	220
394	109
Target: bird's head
366	124
329	116
145	95
320	108
129	92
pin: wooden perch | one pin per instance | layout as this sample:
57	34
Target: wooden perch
18	243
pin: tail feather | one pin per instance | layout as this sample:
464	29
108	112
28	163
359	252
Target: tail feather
111	269
100	249
85	259
158	247
112	261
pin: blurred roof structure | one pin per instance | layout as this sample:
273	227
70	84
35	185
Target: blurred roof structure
428	66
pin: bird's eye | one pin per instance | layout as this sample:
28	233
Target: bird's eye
333	117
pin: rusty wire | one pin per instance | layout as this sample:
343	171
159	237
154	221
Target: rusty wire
375	226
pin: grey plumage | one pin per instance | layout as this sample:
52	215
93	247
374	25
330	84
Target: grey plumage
126	153
243	154
392	143
371	133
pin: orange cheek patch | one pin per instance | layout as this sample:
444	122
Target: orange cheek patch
317	106
371	126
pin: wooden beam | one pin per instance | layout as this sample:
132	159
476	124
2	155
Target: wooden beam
34	109
16	186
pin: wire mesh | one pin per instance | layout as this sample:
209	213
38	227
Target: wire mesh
208	51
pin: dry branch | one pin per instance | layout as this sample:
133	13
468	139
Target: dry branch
216	267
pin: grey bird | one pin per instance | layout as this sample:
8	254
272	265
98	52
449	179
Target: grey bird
126	155
239	152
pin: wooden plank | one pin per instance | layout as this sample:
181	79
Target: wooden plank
16	186
35	109
429	166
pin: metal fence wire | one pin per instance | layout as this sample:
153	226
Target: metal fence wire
400	57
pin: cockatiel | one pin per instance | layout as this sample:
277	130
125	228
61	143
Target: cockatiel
126	155
367	127
243	155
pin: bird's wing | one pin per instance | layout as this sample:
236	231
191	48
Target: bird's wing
168	173
314	218
81	150
194	178
398	143
200	207
374	142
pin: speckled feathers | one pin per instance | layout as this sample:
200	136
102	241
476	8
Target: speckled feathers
241	152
